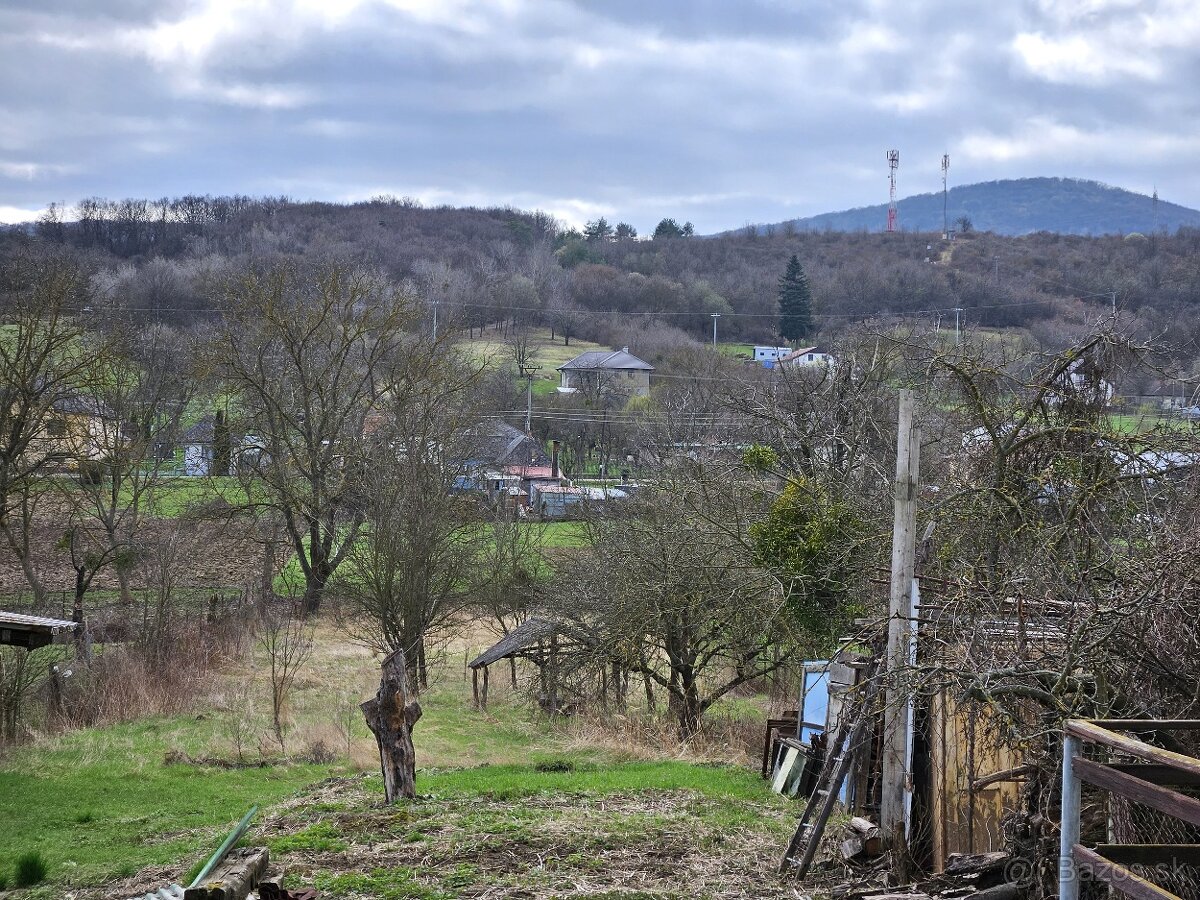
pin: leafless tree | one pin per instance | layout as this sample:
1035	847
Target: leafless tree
46	358
414	566
287	642
310	355
667	591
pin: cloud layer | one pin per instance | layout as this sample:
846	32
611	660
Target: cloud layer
720	113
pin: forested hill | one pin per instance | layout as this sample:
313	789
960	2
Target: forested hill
1014	207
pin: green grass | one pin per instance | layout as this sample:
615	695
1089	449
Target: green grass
547	353
102	801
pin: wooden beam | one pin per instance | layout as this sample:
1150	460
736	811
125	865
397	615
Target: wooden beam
1151	854
1155	773
1163	799
1128	883
1088	731
1148	725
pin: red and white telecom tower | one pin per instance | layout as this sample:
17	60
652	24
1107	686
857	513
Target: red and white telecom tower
893	158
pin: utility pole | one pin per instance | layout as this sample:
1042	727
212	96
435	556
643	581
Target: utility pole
435	306
527	372
1114	304
996	268
715	316
957	332
896	781
945	201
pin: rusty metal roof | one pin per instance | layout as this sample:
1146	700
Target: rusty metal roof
20	620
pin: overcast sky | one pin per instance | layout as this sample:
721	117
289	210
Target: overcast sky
720	112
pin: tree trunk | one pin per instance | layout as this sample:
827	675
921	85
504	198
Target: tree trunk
314	590
391	718
512	671
123	586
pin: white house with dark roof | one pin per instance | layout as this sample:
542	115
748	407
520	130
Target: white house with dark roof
807	356
615	370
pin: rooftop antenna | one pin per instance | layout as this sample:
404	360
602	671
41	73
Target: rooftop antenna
945	220
893	158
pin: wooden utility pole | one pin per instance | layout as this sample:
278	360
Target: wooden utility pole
897	715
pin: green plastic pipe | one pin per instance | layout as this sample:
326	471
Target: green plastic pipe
233	838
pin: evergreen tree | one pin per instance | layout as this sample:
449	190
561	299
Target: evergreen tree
795	302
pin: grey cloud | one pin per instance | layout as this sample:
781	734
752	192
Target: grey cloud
716	112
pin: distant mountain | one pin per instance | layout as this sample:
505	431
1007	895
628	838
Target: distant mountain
1017	206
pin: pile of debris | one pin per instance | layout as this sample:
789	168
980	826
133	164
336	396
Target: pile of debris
233	874
980	876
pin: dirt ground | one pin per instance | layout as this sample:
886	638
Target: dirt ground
216	555
340	839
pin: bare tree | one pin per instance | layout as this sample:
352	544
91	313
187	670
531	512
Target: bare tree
310	356
287	642
668	591
46	357
413	569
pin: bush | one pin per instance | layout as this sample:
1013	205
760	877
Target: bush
31	869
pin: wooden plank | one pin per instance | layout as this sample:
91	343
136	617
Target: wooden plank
1148	725
1158	774
1087	731
1151	854
1163	799
1128	883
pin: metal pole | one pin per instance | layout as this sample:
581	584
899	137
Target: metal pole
1068	878
715	316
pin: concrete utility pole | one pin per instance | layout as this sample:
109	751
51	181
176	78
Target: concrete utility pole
435	306
896	781
957	331
1114	304
715	316
527	372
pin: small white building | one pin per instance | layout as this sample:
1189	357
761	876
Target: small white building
807	356
763	354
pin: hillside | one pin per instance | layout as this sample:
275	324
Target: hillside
1017	206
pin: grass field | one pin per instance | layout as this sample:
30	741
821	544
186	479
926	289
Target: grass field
546	352
139	803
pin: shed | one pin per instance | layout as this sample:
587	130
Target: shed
31	632
535	639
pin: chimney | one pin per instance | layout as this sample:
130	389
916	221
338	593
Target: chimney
554	445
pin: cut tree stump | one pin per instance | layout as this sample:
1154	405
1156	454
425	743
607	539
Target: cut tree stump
391	718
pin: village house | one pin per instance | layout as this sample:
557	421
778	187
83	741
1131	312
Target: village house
618	371
78	428
806	356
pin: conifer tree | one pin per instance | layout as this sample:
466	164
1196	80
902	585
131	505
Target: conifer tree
795	302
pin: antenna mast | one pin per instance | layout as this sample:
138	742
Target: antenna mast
893	158
945	220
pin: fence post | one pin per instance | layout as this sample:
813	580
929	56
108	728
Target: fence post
1068	877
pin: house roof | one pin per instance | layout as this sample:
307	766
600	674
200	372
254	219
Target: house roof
608	359
498	443
803	351
531	472
82	405
202	432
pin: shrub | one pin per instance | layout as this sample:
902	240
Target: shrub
31	869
